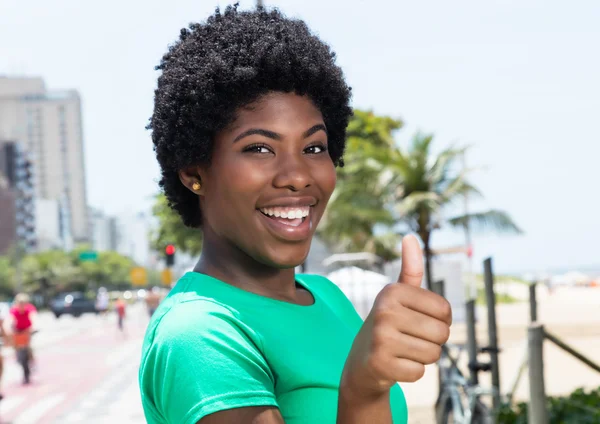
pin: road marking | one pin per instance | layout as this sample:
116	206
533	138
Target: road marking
10	403
35	412
120	355
75	417
88	404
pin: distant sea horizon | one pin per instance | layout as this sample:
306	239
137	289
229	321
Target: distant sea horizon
590	270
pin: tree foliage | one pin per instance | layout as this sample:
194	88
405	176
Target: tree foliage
357	219
171	230
386	190
53	271
581	407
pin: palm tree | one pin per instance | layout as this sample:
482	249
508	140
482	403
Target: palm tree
384	192
425	187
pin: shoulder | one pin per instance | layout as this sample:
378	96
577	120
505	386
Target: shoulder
194	315
187	324
198	358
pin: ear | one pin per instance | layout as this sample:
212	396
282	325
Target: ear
190	176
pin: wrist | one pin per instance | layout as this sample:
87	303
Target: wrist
358	407
352	394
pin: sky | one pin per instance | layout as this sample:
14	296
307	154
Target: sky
517	81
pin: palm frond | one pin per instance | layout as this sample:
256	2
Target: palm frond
459	187
436	174
492	219
419	201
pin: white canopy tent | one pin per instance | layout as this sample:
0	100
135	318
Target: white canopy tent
360	286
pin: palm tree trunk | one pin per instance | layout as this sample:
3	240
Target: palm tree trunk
428	275
425	237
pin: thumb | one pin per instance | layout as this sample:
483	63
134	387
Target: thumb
412	262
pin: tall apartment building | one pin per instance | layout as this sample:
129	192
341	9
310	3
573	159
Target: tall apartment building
17	199
104	231
49	125
8	215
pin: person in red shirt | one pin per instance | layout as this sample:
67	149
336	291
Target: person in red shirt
120	309
22	313
23	316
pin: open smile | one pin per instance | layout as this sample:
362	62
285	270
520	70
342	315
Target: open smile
290	223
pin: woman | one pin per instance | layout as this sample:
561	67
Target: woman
249	123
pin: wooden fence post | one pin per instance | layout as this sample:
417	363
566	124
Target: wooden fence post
533	303
492	328
472	340
538	406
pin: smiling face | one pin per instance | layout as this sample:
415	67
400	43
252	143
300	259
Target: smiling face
269	181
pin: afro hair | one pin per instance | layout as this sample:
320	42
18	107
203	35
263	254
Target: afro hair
230	61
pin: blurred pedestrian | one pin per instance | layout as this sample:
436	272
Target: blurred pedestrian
102	301
153	299
23	315
120	307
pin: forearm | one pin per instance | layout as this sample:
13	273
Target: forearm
353	409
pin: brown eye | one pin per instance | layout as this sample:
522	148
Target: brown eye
258	149
315	149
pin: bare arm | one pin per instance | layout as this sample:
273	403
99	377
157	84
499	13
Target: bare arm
248	415
351	410
33	317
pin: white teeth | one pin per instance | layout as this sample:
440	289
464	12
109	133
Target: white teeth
288	213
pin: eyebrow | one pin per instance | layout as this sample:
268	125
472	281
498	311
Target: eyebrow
275	136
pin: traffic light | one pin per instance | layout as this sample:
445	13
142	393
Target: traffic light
170	254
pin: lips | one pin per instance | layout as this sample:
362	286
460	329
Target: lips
288	218
288	223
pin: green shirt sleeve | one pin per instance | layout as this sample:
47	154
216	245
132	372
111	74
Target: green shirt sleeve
202	360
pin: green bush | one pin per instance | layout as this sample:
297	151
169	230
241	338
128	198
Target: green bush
579	407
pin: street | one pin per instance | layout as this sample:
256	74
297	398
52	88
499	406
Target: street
86	371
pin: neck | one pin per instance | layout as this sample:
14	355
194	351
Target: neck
226	262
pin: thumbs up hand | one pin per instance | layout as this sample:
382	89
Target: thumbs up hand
403	332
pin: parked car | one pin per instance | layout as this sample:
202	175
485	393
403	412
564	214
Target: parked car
73	303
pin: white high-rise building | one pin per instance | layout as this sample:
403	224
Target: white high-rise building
52	223
134	238
48	124
104	231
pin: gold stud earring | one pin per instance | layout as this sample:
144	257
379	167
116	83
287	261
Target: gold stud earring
196	186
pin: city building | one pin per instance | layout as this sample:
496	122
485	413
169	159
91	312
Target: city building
17	198
48	124
8	216
53	225
134	237
104	231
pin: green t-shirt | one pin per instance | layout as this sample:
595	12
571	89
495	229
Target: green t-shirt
211	346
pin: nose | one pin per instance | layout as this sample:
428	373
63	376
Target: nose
293	173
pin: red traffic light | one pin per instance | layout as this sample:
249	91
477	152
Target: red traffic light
170	249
